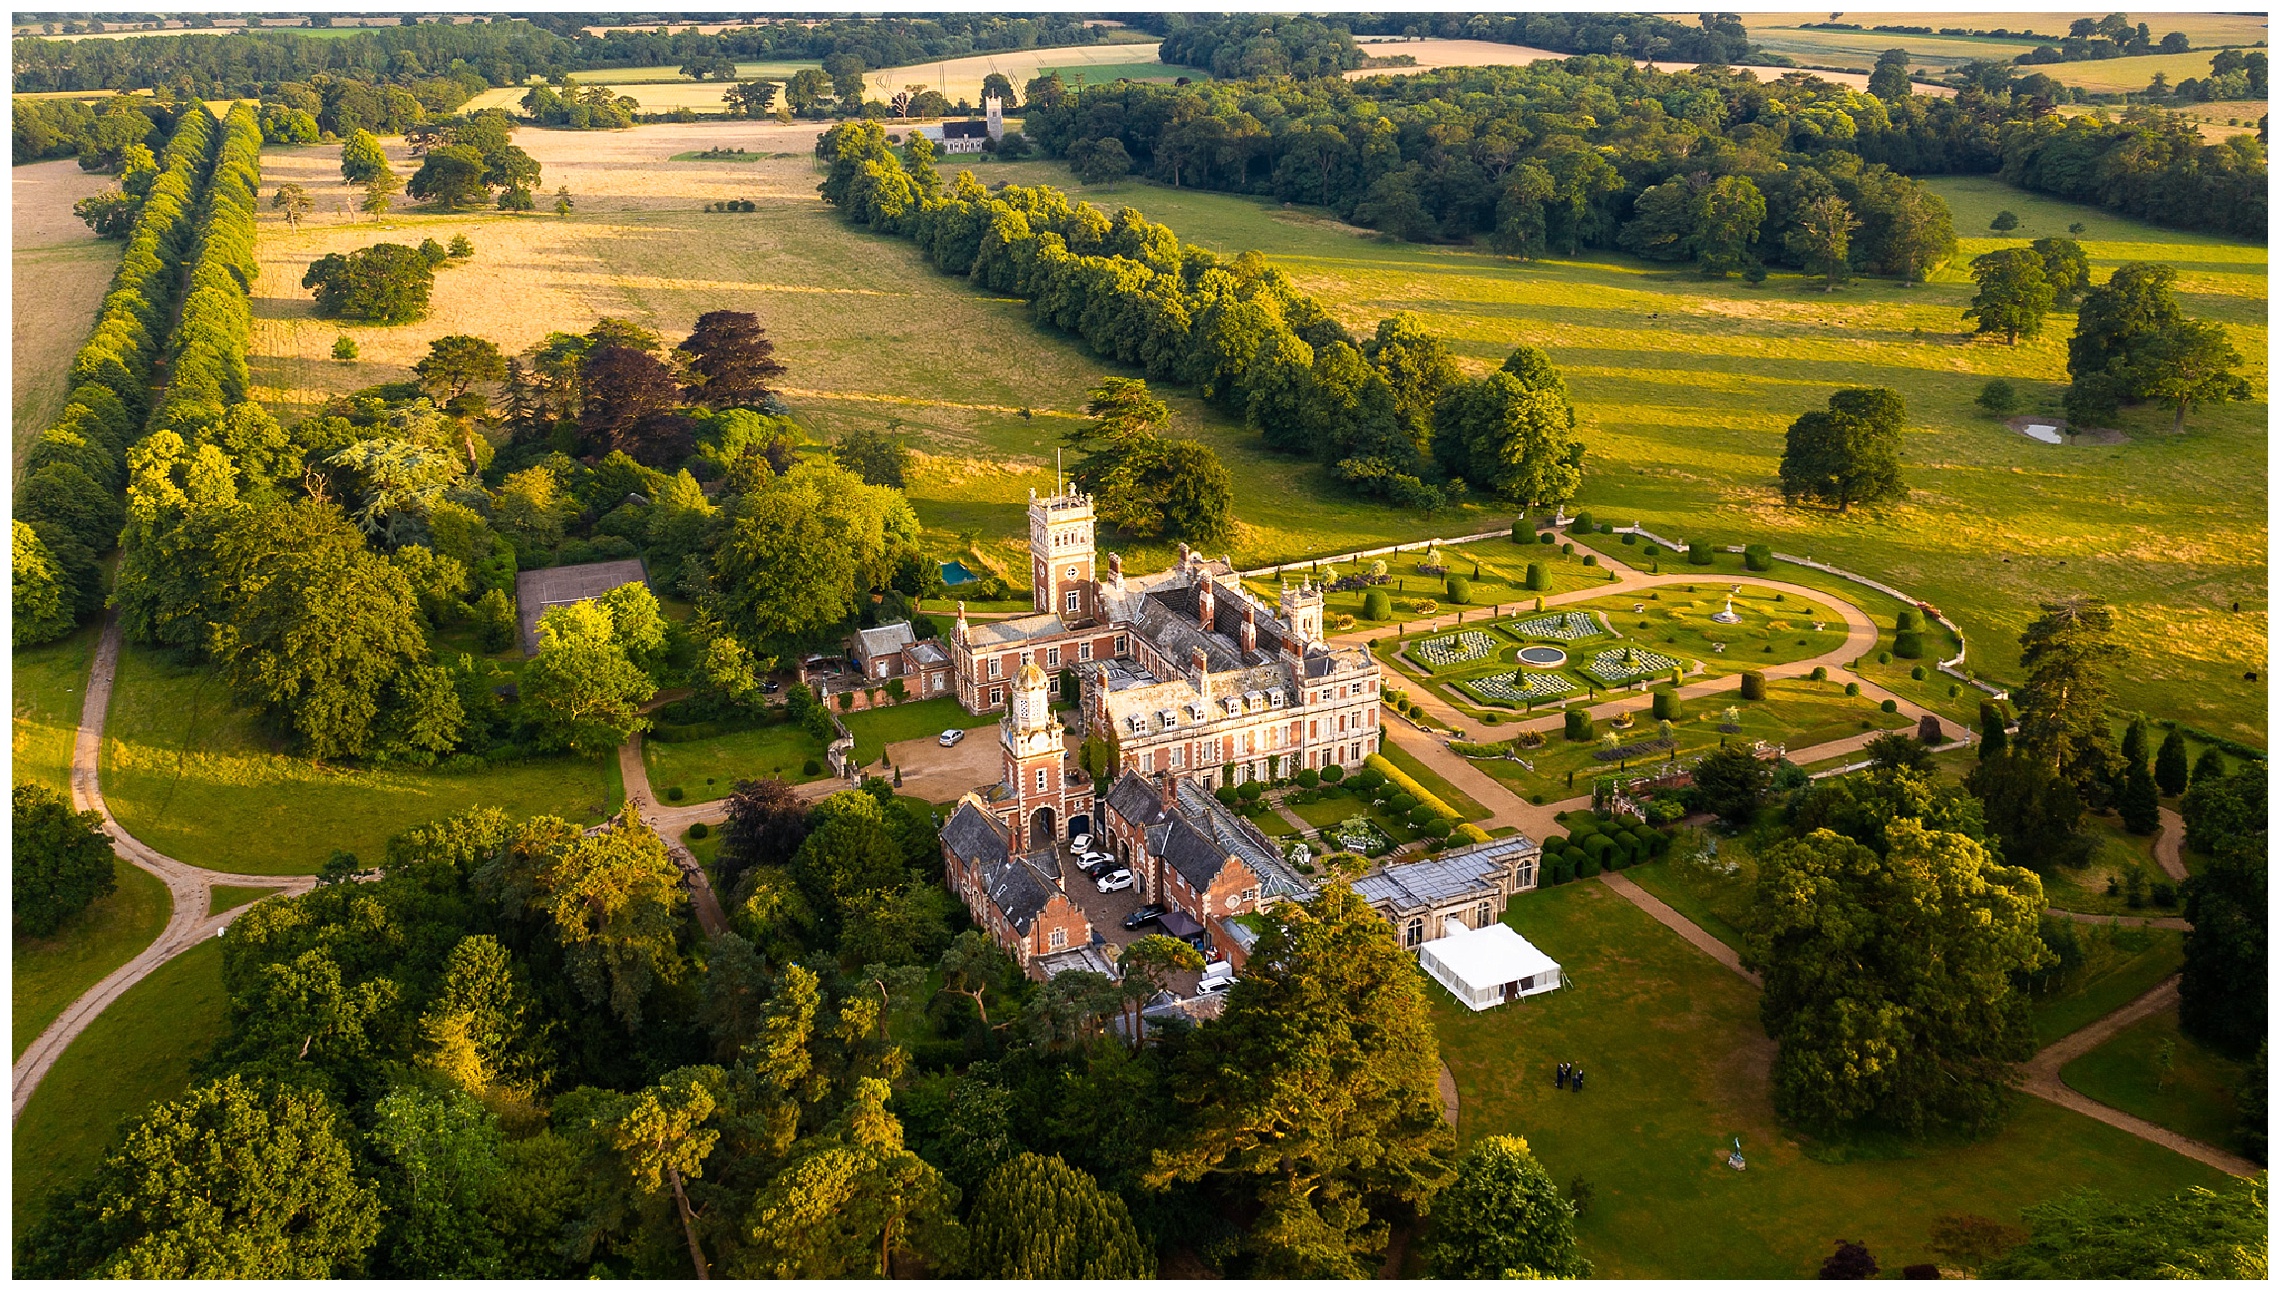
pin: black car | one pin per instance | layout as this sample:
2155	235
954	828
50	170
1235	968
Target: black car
1094	870
1146	915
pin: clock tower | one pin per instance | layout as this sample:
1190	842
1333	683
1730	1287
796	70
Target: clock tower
1030	739
1061	556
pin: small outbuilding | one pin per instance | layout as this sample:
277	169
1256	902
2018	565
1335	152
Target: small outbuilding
1489	966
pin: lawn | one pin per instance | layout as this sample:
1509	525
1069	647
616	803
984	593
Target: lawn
2121	965
136	1053
1497	568
2083	888
1466	805
2150	1069
1686	387
49	688
1796	713
51	972
229	897
203	781
708	769
875	729
1678	1066
1720	904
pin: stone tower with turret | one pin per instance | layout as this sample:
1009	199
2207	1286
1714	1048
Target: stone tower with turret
993	110
1030	740
1302	607
1061	556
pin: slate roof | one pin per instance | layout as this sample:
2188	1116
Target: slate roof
1453	876
1136	800
972	835
886	639
1195	855
1019	887
928	654
1243	839
1008	632
538	590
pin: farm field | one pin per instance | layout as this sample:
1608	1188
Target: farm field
1785	33
61	272
961	367
1434	53
202	781
51	972
139	1051
1650	1135
1685	388
2151	1069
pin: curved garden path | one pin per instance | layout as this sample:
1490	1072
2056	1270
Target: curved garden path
2042	1081
188	887
2169	845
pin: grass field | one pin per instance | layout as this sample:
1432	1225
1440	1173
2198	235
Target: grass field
204	782
1784	33
2121	965
875	729
708	769
47	688
136	1053
1678	1066
2191	1093
1685	388
51	972
229	897
61	271
1497	568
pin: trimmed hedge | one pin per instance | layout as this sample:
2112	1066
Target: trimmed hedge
1908	644
208	369
1426	799
1536	580
1699	552
1578	725
1757	556
1459	590
1753	685
1668	706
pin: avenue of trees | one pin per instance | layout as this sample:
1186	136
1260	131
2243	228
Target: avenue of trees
505	1053
1382	413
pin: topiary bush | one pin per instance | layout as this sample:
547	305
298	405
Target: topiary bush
1536	580
1578	725
1545	538
1582	524
673	792
1249	791
1917	673
1698	552
1852	688
1907	619
700	831
1308	778
811	768
1587	868
1630	538
1334	773
1757	556
1908	644
1377	605
1820	673
1459	590
1753	685
1667	706
1890	706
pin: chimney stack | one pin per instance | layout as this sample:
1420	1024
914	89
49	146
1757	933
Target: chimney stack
1204	599
1169	789
1202	664
1116	571
1250	631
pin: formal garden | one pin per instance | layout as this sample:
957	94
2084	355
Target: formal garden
1436	580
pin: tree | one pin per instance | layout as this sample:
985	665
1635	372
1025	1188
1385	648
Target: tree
1895	750
61	860
1889	978
1040	1218
361	157
2169	766
1847	454
454	363
380	192
1099	161
2066	654
44	604
1501	1217
1728	214
445	1160
661	1137
1417	368
612	901
2066	267
730	361
876	456
582	692
452	176
327	636
1822	240
1731	781
1501	436
781	572
2218	1001
1143	484
2186	362
850	1202
1889	80
623	389
1316	1092
2197	1234
236	1179
2014	294
386	282
1998	397
1850	1261
294	201
1147	967
2113	322
2030	808
2139	799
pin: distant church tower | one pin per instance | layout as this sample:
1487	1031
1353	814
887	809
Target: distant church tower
1030	737
1061	556
994	108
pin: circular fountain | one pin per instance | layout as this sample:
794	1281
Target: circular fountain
1542	656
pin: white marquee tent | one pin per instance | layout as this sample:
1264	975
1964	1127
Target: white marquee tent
1489	966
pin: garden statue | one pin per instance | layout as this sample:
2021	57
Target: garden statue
1727	616
1734	1159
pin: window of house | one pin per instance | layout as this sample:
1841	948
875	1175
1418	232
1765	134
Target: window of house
1527	874
1415	935
997	693
1069	600
1483	916
994	663
1072	571
1084	650
1059	939
1053	657
1041	778
1250	895
1179	757
1123	643
1313	729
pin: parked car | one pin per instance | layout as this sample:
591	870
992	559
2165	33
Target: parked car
1115	881
1081	843
1085	858
1095	869
1213	986
771	686
1145	916
953	736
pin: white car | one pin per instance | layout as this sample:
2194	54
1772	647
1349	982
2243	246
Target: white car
952	736
1115	881
1082	843
1088	858
1213	986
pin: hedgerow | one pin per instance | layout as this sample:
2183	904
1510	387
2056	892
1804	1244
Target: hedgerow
208	372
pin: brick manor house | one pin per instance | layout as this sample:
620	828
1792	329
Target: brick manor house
1198	682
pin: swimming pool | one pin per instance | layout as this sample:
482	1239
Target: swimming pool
955	573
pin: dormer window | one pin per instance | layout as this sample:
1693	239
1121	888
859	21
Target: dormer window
1274	699
1169	718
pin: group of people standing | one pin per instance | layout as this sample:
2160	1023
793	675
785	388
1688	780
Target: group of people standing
1568	1076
